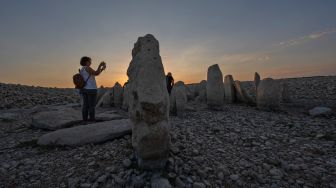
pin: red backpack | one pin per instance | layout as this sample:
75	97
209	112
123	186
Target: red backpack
79	81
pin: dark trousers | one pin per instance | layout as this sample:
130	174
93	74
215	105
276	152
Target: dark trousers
89	103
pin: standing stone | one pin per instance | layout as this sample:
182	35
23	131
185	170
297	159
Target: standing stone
242	94
201	90
256	80
117	95
100	93
125	104
178	99
215	88
105	100
148	104
229	89
268	94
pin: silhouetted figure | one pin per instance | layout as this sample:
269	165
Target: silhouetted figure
170	82
89	92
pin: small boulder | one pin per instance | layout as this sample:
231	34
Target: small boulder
320	111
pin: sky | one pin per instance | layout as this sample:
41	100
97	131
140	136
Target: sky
42	41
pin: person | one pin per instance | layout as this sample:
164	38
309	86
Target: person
170	82
89	92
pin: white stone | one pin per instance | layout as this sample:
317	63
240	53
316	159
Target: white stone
229	89
148	104
178	99
56	119
87	134
215	88
117	95
320	111
268	94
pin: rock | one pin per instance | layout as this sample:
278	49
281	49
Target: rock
202	97
229	89
125	104
160	183
215	88
8	116
85	185
242	94
179	183
85	134
268	94
190	92
100	93
56	119
234	177
198	185
320	111
117	95
256	80
105	100
108	115
127	163
149	104
178	99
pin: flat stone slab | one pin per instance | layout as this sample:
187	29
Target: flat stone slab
66	117
87	134
56	119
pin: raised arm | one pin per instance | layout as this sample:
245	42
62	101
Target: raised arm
95	72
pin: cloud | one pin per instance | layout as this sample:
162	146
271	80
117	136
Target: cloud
302	39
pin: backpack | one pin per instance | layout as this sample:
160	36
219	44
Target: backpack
79	81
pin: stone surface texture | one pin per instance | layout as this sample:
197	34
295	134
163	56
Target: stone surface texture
215	88
149	104
229	89
269	94
178	99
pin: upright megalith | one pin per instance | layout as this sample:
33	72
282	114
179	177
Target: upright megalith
125	103
178	99
148	104
269	94
215	88
242	94
229	89
201	91
117	95
256	80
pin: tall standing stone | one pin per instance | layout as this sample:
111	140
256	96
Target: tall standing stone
242	94
215	88
269	94
178	99
201	91
117	95
256	80
229	89
125	104
148	104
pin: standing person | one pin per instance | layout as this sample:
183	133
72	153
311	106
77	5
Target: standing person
89	92
170	82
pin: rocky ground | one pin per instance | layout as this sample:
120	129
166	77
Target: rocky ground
240	146
19	96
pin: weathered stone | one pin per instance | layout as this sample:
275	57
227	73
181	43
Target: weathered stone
242	94
105	100
148	104
256	80
190	91
87	134
215	88
100	93
125	104
117	95
320	111
160	183
229	89
201	90
56	119
178	99
268	94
